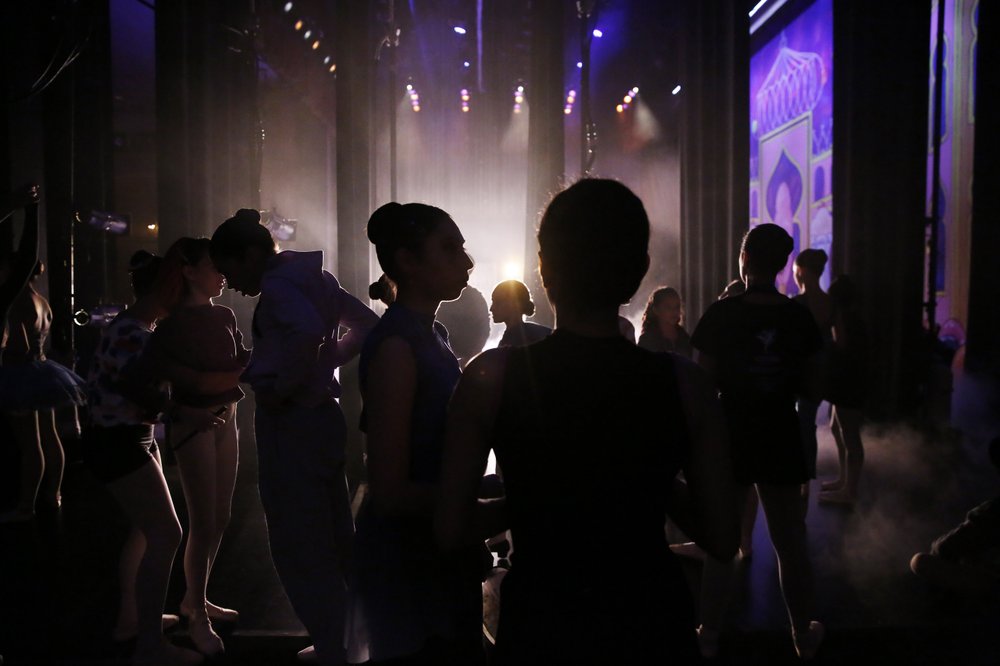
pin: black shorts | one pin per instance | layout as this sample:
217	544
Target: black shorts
114	451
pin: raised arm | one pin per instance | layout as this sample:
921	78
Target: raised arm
389	398
705	507
24	259
460	518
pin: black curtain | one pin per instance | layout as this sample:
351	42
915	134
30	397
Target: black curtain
715	147
983	344
881	55
546	136
208	136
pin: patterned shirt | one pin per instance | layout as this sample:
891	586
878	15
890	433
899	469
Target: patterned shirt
121	343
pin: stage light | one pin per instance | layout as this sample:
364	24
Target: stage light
307	34
465	109
299	24
326	60
635	90
151	227
627	99
333	68
568	110
315	45
756	8
517	108
512	270
598	33
676	89
520	89
579	65
416	108
459	30
619	108
288	7
409	86
466	64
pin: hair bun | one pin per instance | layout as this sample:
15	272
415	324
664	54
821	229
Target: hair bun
248	214
141	259
383	219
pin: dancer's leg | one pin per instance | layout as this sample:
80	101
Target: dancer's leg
787	528
55	459
25	427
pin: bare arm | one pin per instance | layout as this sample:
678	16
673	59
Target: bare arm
460	518
389	397
706	507
359	320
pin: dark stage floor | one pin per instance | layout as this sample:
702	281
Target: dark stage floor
58	589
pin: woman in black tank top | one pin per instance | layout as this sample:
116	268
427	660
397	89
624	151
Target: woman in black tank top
590	474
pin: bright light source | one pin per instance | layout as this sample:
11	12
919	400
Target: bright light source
572	93
316	45
520	89
627	99
512	270
307	34
288	7
326	60
466	63
676	89
152	227
465	109
598	33
299	24
756	8
635	90
459	30
416	108
568	110
409	86
619	108
579	65
333	68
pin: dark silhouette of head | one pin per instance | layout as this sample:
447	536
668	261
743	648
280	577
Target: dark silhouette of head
240	248
185	251
812	260
395	226
510	301
593	245
764	251
650	321
383	290
143	269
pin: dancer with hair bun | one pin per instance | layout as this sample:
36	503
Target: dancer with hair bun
299	426
419	606
511	303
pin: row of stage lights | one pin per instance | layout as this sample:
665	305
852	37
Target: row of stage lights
465	97
313	37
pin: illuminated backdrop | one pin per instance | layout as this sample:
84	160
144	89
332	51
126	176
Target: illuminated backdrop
791	133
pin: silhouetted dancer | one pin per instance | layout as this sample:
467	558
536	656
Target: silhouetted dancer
551	417
298	424
761	348
510	304
418	606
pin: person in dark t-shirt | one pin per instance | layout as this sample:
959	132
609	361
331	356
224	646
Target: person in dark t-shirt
760	347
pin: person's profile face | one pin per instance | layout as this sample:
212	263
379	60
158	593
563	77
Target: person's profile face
503	308
443	266
203	278
243	275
